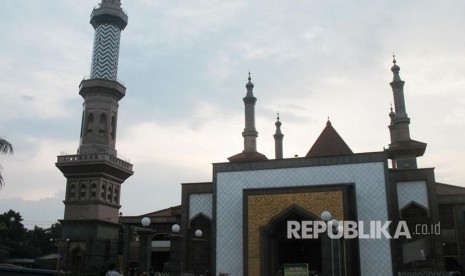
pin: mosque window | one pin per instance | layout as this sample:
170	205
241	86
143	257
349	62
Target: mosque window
113	128
102	193
102	124
72	192
90	122
93	190
109	194
116	196
82	123
83	191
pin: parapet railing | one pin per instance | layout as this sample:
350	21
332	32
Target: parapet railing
94	156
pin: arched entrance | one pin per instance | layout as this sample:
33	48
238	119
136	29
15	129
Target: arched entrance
77	257
278	250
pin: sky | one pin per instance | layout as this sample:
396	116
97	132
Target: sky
185	65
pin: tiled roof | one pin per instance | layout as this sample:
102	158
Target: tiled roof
172	211
329	143
446	189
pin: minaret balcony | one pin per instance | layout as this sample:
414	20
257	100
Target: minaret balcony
94	163
110	14
111	87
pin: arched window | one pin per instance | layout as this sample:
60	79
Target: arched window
83	191
102	126
93	190
72	192
113	128
82	123
109	194
115	197
415	216
90	123
102	192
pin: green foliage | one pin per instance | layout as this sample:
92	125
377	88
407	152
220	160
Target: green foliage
18	242
5	148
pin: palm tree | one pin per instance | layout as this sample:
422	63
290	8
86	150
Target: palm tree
5	148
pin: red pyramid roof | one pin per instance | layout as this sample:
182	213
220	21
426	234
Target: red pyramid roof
329	143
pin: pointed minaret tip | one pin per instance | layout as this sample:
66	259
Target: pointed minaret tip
249	86
250	153
395	69
278	122
278	139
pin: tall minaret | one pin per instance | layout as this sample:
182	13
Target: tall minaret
250	133
95	174
278	140
102	91
402	150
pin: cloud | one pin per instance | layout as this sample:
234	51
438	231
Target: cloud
185	67
36	212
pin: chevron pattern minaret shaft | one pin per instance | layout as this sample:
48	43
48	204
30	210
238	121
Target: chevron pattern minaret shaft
106	52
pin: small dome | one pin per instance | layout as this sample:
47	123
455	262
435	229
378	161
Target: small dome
395	68
392	114
278	122
249	85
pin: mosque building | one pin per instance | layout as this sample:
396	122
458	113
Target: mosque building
238	222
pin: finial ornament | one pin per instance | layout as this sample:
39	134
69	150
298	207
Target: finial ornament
249	86
278	117
394	58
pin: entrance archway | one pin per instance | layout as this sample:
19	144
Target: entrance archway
278	250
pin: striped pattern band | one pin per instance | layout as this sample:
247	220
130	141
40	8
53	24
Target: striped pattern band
106	52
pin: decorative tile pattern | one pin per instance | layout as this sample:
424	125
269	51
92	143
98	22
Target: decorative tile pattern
369	179
106	52
412	191
200	203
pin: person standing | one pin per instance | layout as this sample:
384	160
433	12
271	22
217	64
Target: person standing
112	271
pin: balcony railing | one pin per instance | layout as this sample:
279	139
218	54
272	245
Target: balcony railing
94	157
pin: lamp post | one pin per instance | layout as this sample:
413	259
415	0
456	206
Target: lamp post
176	265
145	244
58	242
198	240
333	228
12	222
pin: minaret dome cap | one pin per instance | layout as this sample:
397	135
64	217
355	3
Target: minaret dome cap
278	122
249	84
395	68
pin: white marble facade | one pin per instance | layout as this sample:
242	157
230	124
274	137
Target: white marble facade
370	187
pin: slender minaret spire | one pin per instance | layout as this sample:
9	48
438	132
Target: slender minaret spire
250	133
102	91
278	140
95	174
401	118
403	150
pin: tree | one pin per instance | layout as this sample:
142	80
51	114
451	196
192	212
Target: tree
5	148
12	235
